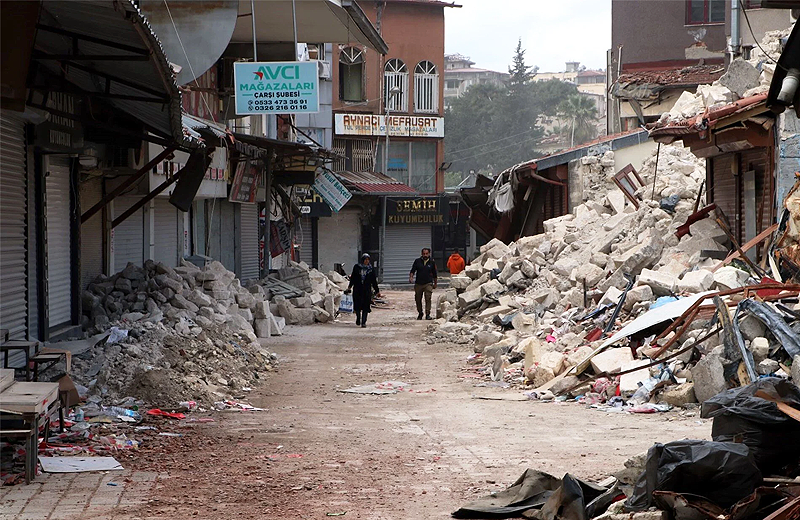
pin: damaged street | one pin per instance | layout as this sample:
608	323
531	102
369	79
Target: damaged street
579	299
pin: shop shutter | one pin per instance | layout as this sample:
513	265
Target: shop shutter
402	246
248	245
758	160
91	192
722	187
59	244
166	233
304	240
128	235
13	212
221	243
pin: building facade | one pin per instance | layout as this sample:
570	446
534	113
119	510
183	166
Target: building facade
459	75
388	117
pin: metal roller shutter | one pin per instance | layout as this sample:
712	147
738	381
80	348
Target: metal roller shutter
722	187
402	247
129	235
13	213
59	245
304	239
166	233
91	233
248	245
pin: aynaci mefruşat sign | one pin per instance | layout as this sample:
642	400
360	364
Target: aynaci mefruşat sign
423	211
397	126
290	87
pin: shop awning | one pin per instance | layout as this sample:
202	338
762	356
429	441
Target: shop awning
374	183
334	21
107	50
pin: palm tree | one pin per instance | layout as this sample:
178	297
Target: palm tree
581	113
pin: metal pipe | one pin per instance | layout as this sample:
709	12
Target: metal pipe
294	22
253	20
735	43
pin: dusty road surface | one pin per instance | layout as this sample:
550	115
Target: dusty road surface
316	452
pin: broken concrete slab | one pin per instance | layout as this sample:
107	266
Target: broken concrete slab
611	359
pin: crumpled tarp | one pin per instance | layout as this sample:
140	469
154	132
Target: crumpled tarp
721	472
558	499
775	324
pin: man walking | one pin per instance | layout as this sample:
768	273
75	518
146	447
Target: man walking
425	282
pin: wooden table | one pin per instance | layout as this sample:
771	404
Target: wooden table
30	401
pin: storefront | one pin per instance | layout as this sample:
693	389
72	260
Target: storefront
410	224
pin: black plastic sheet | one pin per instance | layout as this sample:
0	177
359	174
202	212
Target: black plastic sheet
532	489
721	472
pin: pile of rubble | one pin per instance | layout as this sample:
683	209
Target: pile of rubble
191	333
540	310
744	78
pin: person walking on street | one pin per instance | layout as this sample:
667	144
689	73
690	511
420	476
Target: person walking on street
425	282
362	281
455	264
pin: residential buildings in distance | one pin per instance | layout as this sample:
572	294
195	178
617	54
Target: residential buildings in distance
459	75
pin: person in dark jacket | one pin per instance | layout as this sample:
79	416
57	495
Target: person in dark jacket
362	281
424	282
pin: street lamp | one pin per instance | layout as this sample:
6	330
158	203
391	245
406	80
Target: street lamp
393	92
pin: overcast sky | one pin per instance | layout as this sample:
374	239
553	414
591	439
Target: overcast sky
552	32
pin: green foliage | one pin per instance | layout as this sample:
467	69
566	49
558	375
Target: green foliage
492	127
579	114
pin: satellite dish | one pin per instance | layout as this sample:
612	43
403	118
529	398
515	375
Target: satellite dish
204	29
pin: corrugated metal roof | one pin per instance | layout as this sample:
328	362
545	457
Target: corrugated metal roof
374	183
674	76
120	23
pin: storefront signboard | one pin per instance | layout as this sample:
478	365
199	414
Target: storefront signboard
398	126
423	211
290	87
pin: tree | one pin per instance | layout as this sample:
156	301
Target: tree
521	74
580	112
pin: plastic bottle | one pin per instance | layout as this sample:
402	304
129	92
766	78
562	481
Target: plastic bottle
79	414
117	410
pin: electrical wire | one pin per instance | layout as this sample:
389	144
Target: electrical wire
493	142
189	62
494	150
773	60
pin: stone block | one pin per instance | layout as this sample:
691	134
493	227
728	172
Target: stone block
262	327
517	279
589	273
303	302
611	359
729	277
528	269
245	313
199	298
460	282
473	270
707	376
492	287
524	323
565	265
616	200
476	284
180	302
662	284
278	323
553	361
740	77
306	316
752	328
238	324
759	347
679	395
245	299
490	265
539	375
611	296
261	310
508	269
485	338
696	281
321	315
495	310
629	383
767	367
642	293
469	297
564	384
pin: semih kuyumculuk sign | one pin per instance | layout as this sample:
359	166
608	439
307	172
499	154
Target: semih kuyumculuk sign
276	87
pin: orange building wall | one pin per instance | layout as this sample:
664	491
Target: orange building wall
414	32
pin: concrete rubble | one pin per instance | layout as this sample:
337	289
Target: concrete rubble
535	310
193	333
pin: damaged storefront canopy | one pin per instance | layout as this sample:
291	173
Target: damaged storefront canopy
117	58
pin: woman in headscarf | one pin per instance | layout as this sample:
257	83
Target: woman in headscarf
362	281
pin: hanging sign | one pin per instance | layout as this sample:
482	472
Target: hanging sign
245	183
333	191
290	87
280	238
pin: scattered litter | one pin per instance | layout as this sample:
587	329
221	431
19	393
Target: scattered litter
384	388
78	464
161	413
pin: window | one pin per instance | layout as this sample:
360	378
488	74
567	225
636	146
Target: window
452	83
396	86
426	88
412	163
351	74
705	11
